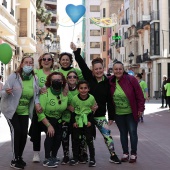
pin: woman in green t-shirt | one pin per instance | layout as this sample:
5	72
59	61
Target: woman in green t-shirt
53	103
19	94
46	63
66	60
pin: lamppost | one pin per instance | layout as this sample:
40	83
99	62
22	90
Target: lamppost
131	56
48	42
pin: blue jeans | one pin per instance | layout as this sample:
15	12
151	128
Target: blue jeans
126	124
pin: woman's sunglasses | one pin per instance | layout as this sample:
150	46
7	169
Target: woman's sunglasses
59	99
69	77
46	59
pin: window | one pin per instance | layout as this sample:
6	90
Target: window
104	12
94	8
104	45
94	32
93	56
104	62
104	31
94	44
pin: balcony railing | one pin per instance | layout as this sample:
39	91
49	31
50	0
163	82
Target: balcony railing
12	12
126	35
141	24
4	3
53	11
125	22
139	59
146	57
154	15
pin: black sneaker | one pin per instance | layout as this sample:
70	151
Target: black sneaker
74	162
15	164
92	163
20	160
114	159
65	160
82	160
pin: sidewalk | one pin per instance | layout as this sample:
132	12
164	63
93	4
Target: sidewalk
153	146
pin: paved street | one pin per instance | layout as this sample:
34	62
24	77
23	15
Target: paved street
153	147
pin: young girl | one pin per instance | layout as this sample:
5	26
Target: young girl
72	79
83	123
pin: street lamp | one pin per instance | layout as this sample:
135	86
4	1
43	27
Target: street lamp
48	42
131	56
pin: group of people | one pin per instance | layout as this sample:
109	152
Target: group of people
71	102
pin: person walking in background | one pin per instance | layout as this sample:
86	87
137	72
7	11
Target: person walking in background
163	92
53	104
128	98
100	89
19	95
167	88
1	85
46	63
144	88
83	122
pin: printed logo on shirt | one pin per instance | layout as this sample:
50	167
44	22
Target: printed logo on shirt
42	80
52	102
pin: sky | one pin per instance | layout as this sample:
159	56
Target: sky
66	30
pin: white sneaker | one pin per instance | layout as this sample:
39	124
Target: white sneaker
36	157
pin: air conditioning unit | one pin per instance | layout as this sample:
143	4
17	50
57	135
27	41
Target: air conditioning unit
18	51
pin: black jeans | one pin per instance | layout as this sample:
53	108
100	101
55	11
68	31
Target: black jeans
35	132
52	144
19	130
87	132
126	124
164	98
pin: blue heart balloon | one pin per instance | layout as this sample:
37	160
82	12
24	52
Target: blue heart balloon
75	12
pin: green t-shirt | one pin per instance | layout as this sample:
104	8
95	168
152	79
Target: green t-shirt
121	101
144	87
41	76
82	108
66	116
27	94
65	72
50	105
167	88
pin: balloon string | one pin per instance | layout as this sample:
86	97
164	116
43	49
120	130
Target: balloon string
73	32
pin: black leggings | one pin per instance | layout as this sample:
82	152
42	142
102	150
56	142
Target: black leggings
19	130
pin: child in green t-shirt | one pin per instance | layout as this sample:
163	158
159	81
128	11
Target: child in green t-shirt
82	120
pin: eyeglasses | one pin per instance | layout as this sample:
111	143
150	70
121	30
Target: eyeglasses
69	77
59	99
46	59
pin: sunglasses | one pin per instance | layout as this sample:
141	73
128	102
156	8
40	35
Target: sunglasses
59	99
69	77
46	59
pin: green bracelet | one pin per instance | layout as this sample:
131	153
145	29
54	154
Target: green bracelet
48	125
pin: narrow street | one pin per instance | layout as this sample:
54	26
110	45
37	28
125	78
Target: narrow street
153	147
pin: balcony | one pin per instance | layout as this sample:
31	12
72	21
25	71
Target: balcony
146	58
124	22
140	26
126	35
138	59
4	3
154	15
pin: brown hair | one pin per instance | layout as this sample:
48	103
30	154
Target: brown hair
97	60
19	69
48	82
42	56
72	72
68	54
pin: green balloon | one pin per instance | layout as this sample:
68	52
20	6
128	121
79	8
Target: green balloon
5	53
